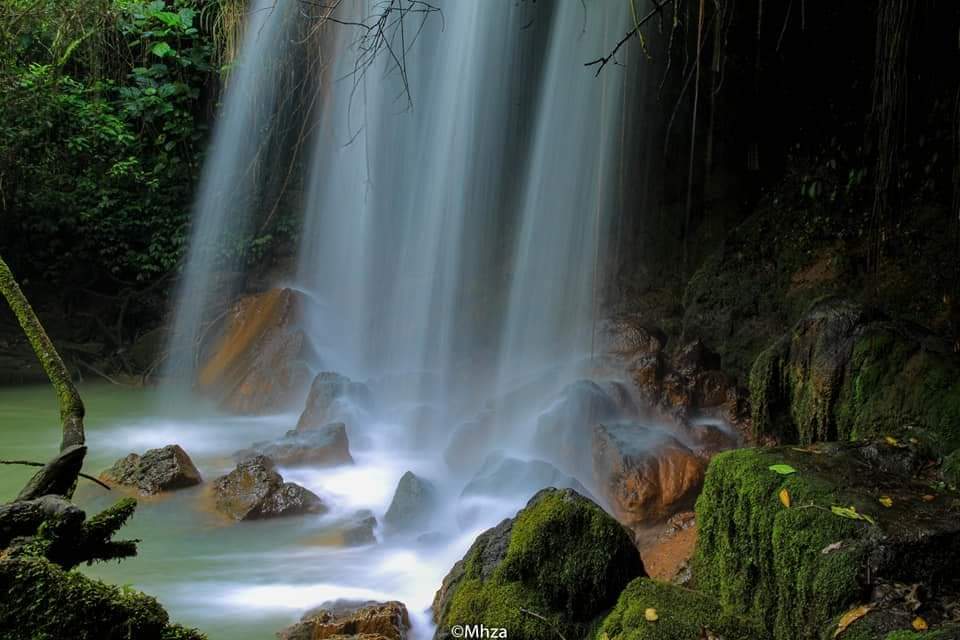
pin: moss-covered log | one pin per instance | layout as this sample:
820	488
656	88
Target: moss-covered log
71	406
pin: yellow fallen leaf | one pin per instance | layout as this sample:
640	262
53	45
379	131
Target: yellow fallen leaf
928	498
886	501
890	440
785	498
919	624
651	615
850	617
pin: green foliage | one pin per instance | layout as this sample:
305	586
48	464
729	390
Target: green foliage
100	151
681	614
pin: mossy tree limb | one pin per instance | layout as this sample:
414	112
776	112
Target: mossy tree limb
71	406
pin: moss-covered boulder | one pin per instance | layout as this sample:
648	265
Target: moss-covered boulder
845	372
552	569
41	601
795	537
651	610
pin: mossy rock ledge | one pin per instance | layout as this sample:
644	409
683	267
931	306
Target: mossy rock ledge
552	569
652	610
846	372
839	526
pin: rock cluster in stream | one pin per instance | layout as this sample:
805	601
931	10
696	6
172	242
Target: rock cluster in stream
322	446
165	469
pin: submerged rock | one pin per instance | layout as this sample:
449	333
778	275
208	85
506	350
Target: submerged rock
647	474
413	502
257	365
324	446
346	619
563	431
254	490
561	557
794	547
329	394
165	469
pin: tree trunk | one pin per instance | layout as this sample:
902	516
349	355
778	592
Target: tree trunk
71	406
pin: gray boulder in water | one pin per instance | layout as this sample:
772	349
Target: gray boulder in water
165	469
329	393
324	446
564	430
254	490
412	503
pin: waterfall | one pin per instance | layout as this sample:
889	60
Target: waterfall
226	200
456	195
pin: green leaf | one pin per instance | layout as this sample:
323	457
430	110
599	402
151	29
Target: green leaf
161	49
851	513
782	469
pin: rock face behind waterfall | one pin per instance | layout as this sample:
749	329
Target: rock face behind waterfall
256	366
343	620
254	490
164	469
562	557
325	446
330	395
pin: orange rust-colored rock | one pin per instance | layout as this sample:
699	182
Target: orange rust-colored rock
256	365
367	621
646	473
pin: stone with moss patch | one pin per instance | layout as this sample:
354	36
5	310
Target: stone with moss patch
845	372
680	614
799	567
552	569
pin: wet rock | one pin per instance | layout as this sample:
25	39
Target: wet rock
839	533
647	372
254	490
331	394
646	473
359	530
503	476
504	479
563	430
561	556
693	358
256	366
347	619
413	502
625	337
165	469
708	438
324	446
468	442
711	388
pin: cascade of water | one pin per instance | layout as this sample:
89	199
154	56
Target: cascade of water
227	194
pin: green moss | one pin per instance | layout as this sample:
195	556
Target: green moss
951	633
767	380
565	560
682	614
754	555
950	469
53	603
892	381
